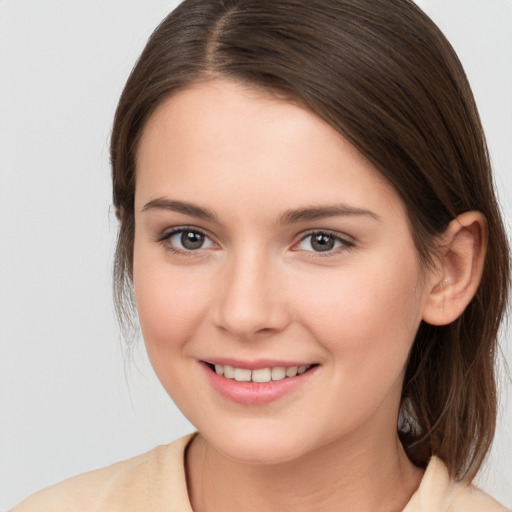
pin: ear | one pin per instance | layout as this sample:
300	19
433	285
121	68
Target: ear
460	265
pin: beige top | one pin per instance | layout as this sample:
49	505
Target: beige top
155	482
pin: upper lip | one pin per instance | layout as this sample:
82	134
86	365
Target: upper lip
255	364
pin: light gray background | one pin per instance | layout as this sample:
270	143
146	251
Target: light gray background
67	402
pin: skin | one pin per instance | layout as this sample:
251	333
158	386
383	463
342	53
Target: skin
257	289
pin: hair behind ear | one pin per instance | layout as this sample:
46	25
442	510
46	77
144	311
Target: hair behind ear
449	393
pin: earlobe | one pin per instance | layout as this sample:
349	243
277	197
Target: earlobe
460	266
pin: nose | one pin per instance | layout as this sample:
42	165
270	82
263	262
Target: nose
251	300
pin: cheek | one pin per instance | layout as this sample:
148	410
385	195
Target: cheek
171	302
367	330
366	318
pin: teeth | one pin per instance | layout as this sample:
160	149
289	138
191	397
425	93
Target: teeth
291	372
242	375
261	375
278	373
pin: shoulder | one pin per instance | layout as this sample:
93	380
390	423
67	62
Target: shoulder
131	485
439	493
472	498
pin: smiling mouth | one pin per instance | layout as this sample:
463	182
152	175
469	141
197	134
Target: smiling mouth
260	375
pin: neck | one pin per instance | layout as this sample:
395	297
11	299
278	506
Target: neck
344	475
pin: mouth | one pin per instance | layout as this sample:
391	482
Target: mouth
259	375
264	382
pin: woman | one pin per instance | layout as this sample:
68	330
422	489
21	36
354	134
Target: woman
310	233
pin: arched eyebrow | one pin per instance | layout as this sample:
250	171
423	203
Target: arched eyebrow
321	212
184	207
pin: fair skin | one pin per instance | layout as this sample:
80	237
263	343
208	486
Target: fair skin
264	239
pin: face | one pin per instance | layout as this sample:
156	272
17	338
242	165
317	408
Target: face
268	249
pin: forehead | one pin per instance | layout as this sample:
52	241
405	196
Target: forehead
248	146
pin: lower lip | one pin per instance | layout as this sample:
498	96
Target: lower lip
253	393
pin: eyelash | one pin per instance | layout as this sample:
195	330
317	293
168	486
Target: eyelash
345	243
164	239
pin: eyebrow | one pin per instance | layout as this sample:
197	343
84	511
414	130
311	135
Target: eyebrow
322	212
180	207
305	214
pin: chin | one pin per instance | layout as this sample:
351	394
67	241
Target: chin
259	446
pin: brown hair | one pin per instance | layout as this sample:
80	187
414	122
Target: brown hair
383	75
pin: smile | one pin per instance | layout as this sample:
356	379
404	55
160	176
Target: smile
267	381
260	375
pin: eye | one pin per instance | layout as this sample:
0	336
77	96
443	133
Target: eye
321	241
187	239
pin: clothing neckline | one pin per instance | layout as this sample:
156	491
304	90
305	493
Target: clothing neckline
435	483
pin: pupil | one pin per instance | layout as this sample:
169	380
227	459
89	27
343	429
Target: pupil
191	240
322	243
